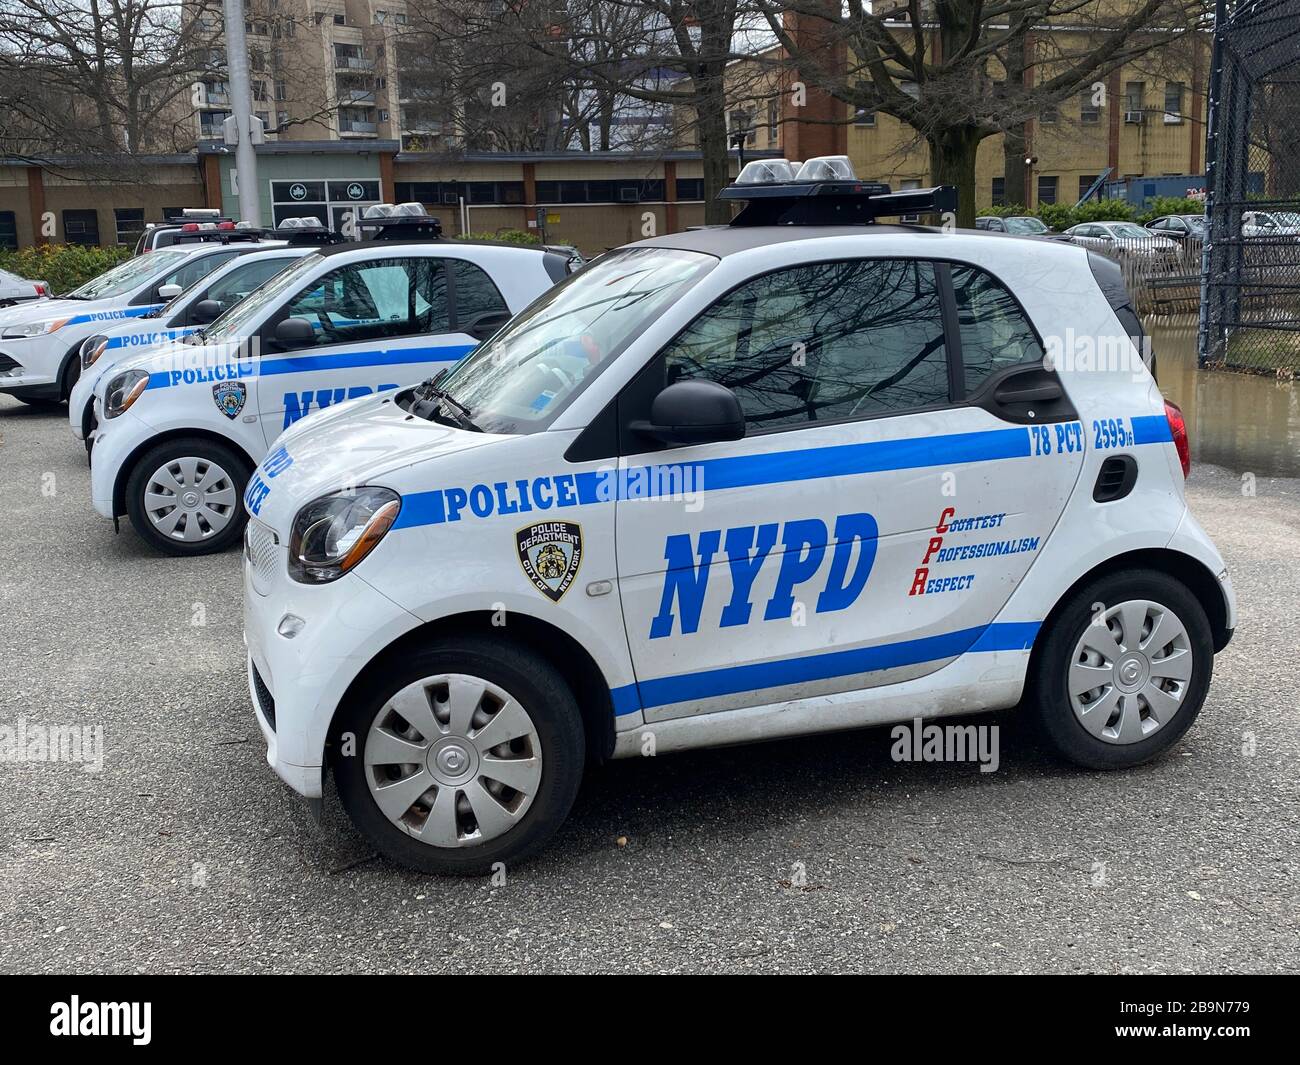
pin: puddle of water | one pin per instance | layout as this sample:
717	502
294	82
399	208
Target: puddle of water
1243	422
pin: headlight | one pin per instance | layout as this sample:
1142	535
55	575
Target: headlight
334	533
91	349
31	329
124	390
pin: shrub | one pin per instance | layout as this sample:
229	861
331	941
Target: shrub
1056	216
1005	211
1104	211
507	236
64	266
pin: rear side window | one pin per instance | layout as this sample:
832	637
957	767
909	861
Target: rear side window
822	342
476	294
995	333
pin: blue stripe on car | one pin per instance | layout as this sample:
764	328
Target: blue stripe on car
711	683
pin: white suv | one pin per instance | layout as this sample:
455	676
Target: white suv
753	481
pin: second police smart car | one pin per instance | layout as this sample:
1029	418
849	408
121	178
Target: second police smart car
179	428
801	473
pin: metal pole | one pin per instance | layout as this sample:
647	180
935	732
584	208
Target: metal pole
1215	230
241	99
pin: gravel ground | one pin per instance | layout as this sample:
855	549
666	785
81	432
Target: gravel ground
185	853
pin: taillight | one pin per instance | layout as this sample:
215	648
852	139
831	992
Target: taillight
1178	429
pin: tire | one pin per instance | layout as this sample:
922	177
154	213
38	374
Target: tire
37	403
214	473
71	374
515	823
1150	694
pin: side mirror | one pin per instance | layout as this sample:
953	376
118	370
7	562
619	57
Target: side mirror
295	333
169	292
205	311
693	412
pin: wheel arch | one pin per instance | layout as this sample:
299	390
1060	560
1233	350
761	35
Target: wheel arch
73	353
187	432
574	662
1189	571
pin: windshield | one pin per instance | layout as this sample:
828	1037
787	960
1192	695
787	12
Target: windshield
239	321
128	277
1025	226
1129	231
522	377
1195	221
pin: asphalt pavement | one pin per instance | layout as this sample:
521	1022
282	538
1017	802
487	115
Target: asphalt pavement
184	853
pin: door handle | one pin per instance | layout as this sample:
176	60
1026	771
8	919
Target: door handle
1036	394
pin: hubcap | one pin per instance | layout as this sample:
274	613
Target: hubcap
1130	671
453	760
190	499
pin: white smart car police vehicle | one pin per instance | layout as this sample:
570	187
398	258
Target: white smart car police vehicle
784	476
197	307
40	343
178	429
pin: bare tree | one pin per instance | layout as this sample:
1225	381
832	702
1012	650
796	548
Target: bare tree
942	68
98	77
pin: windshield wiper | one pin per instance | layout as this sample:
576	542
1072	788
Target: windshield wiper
431	400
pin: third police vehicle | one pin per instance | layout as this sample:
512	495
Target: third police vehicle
799	473
179	428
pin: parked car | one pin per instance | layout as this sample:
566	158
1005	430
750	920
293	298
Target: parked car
15	289
1179	227
1270	224
178	429
632	523
1123	239
40	343
1019	225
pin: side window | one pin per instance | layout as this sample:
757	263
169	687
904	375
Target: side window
995	333
243	279
195	270
376	300
822	342
476	294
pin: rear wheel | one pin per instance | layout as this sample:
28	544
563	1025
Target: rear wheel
468	754
1123	670
183	497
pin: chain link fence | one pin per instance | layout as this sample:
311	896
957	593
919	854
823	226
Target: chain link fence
1250	283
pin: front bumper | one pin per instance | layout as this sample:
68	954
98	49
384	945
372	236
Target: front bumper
114	439
303	678
26	368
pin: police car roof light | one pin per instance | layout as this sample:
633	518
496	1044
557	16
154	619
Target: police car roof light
827	168
403	221
765	172
832	201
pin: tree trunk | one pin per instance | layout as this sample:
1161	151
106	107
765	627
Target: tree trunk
1013	165
952	162
712	127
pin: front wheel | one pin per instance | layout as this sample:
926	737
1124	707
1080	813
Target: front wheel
183	496
468	753
1123	670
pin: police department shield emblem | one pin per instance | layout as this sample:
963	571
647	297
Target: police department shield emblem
550	554
229	397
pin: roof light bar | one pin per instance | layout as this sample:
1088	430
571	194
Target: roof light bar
401	221
824	191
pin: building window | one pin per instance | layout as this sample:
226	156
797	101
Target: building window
1046	189
8	230
339	20
81	227
690	188
1085	183
1051	115
1173	102
130	224
281	89
1134	95
1089	109
999	191
773	122
259	91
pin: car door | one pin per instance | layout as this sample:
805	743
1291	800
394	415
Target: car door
884	502
193	270
378	324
